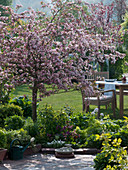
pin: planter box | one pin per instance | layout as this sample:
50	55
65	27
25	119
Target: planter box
32	150
48	150
91	151
3	153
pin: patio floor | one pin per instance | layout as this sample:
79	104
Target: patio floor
49	162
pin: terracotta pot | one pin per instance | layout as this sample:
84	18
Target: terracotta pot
31	151
123	81
3	152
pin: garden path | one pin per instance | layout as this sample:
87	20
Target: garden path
49	162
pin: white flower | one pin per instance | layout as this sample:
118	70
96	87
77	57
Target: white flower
32	139
96	110
101	120
101	114
93	113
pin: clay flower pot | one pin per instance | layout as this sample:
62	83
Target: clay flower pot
123	81
31	151
2	154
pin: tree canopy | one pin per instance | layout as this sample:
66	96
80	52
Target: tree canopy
41	50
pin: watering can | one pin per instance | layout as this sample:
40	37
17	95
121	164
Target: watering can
16	152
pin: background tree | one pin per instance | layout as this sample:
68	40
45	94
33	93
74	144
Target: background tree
124	29
5	3
120	9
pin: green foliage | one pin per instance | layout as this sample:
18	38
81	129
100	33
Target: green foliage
21	134
24	103
31	127
116	69
3	139
90	136
82	134
110	126
9	110
91	142
101	161
68	134
112	156
81	120
119	122
14	122
50	122
124	26
96	128
68	110
55	144
123	134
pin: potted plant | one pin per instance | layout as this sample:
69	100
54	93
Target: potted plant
3	142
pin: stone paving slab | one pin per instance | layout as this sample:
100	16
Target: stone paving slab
49	162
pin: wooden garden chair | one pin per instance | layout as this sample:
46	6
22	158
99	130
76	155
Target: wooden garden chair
101	99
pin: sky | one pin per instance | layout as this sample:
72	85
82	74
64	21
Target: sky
35	4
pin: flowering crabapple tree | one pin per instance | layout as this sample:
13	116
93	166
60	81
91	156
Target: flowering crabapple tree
6	85
29	48
93	37
42	50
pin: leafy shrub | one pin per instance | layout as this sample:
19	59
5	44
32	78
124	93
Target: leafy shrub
9	110
68	110
119	122
3	139
123	134
24	103
101	161
82	135
21	134
88	136
80	120
94	129
112	156
14	122
91	142
68	134
50	122
31	127
109	125
84	120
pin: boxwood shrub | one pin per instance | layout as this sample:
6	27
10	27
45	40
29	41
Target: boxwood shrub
9	110
14	122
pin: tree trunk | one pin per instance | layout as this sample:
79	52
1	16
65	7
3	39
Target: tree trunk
101	66
83	100
0	93
34	102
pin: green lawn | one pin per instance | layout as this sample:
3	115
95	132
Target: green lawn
72	99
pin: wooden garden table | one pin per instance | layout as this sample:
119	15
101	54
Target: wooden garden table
121	86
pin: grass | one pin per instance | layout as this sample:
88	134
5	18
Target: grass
72	99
